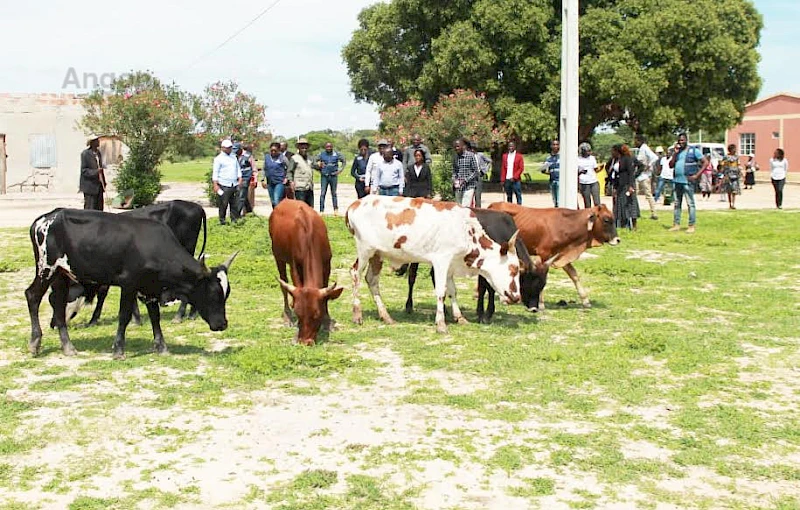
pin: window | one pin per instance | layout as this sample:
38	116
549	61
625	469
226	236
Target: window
747	143
43	150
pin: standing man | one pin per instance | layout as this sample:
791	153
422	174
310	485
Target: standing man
301	174
359	168
588	183
465	173
389	175
665	176
408	154
372	167
247	164
93	180
511	173
484	164
552	167
686	161
284	149
227	177
644	180
329	162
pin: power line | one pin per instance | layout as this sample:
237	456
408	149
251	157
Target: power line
233	35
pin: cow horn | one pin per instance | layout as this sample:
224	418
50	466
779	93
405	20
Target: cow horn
512	243
202	260
227	264
288	287
550	261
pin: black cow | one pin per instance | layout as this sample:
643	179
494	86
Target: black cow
139	255
183	218
533	277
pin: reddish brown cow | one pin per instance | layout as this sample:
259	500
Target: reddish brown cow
563	233
300	239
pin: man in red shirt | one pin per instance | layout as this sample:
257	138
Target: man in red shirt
511	174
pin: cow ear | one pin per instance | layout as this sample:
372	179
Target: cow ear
503	249
512	243
332	292
590	222
227	264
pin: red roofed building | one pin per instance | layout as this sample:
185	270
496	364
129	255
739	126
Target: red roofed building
768	124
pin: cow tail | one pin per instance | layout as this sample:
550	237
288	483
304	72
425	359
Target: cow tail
205	235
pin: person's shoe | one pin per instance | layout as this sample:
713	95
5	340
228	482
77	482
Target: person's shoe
336	212
690	230
653	217
675	228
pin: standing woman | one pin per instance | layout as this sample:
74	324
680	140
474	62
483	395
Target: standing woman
587	176
419	181
626	205
359	168
731	173
274	179
779	167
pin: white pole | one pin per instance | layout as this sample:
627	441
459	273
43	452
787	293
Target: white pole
568	189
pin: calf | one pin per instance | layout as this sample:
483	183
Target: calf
139	255
443	234
563	234
300	239
183	218
500	227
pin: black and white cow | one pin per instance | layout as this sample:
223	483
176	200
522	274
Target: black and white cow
183	218
139	255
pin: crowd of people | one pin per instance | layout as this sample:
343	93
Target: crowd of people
675	174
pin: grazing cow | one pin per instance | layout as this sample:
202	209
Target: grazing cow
500	227
563	234
443	234
183	218
139	255
300	239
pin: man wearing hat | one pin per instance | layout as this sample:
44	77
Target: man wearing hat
372	167
93	180
300	174
227	177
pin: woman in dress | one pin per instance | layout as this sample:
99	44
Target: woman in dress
707	180
731	173
626	205
750	172
779	167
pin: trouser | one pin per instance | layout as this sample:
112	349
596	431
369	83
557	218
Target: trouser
777	184
478	191
332	181
644	186
389	191
243	202
660	187
95	202
228	199
360	191
554	192
682	189
306	196
276	192
465	197
590	192
512	187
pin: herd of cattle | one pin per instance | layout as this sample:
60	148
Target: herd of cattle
149	254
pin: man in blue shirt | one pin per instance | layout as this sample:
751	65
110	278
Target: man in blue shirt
687	162
552	166
226	177
330	164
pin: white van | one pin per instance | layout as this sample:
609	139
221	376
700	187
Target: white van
716	151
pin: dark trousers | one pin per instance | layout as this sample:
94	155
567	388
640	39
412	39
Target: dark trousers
360	191
306	196
778	186
228	199
512	187
332	181
479	190
243	202
93	202
590	192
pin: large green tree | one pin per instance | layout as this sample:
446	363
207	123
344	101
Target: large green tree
661	65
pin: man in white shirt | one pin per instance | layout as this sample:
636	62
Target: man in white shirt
666	175
372	167
389	175
588	183
648	159
227	177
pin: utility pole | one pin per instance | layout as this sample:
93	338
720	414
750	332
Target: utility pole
568	137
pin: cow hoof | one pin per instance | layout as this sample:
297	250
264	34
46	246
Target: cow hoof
69	350
34	348
484	320
162	352
587	304
462	320
91	324
119	356
177	319
137	322
388	320
441	328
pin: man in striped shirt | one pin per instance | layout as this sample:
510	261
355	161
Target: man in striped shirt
465	173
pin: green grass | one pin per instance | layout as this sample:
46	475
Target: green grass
185	171
690	350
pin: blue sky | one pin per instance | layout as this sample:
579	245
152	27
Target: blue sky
290	58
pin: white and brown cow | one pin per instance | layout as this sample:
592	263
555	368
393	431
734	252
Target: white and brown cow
447	236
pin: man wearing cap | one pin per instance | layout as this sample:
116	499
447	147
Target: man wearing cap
329	162
301	174
93	180
227	177
372	167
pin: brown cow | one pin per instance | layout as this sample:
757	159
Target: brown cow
563	233
300	239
